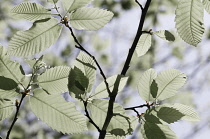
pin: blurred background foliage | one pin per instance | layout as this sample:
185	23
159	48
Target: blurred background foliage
110	46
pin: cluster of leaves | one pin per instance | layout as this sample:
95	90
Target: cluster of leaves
45	85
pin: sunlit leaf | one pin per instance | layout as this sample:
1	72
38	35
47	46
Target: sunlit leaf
10	75
169	81
87	65
101	90
188	112
39	37
30	11
6	108
206	4
71	5
55	80
88	18
189	21
144	84
120	124
144	44
156	131
165	35
57	113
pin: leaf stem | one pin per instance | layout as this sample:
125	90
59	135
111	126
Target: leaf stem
16	114
79	46
88	116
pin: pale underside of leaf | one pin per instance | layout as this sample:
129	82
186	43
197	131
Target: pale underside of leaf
101	90
55	80
144	44
189	21
57	113
10	72
71	5
39	37
156	131
6	108
188	112
206	4
88	18
30	11
120	123
87	65
144	84
169	81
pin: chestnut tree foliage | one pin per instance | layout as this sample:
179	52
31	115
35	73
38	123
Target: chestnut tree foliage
45	85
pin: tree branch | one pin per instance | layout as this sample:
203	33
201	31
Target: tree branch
16	114
139	4
138	35
83	49
140	106
88	116
124	70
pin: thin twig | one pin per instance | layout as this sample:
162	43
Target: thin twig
16	114
79	46
88	116
56	8
139	4
140	106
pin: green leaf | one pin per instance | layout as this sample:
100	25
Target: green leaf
189	21
87	65
71	5
206	4
88	18
144	84
165	35
7	87
10	75
188	112
169	81
156	131
143	44
78	83
30	11
57	113
169	114
55	80
6	108
120	124
39	37
101	90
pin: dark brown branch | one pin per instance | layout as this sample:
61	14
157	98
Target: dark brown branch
16	114
139	4
140	106
79	46
88	116
138	35
124	70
